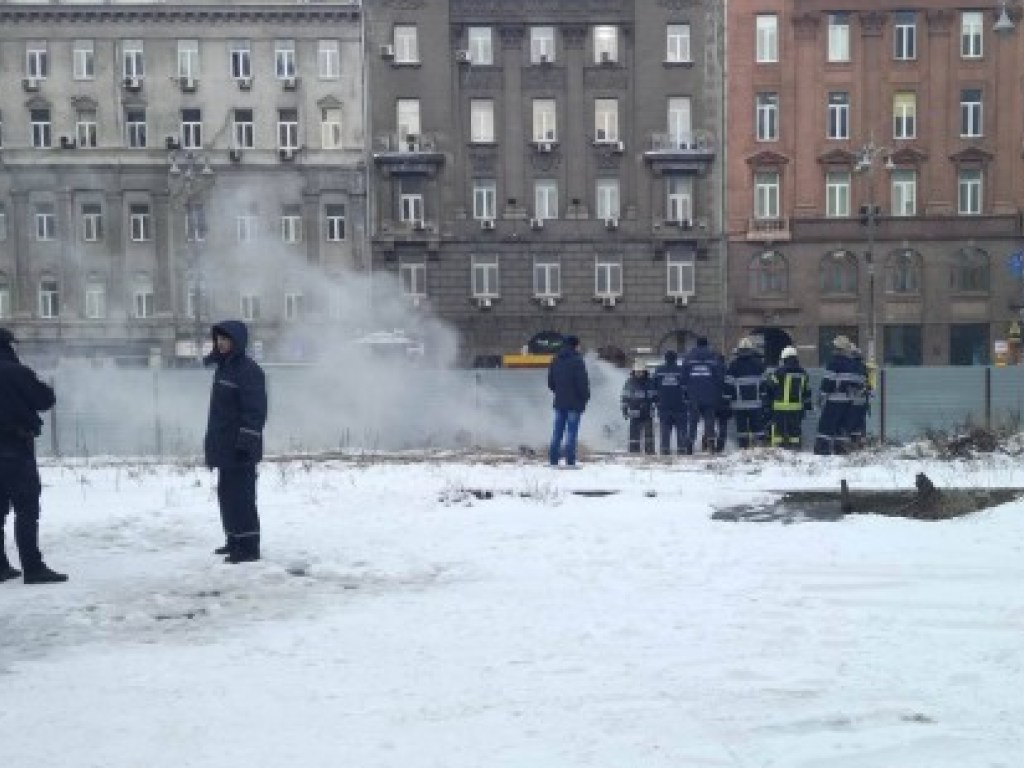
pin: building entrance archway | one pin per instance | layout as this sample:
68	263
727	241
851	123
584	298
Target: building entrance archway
771	341
678	339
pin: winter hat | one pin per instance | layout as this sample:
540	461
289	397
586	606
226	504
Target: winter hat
671	356
572	341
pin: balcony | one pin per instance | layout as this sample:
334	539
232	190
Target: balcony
407	154
768	230
691	152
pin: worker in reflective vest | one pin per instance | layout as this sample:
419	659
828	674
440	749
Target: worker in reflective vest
789	397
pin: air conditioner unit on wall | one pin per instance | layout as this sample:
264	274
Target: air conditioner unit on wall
544	146
290	83
611	223
536	223
608	301
483	303
67	142
235	154
387	51
681	300
619	147
487	224
245	83
133	83
30	84
548	301
463	57
286	154
188	84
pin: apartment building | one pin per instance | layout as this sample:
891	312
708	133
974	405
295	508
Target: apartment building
164	165
874	176
551	165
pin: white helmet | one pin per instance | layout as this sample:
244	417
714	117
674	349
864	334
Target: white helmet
638	366
788	352
745	343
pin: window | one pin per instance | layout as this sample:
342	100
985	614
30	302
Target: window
480	52
294	308
85	128
837	194
608	199
334	218
408	118
839	37
188	59
5	295
677	45
287	129
330	127
412	276
250	306
544	120
36	63
680	128
969	344
143	299
545	199
42	137
901	345
406	44
769	274
485	198
140	223
904	192
969	271
284	59
606	120
195	222
241	59
766	195
247	226
767	116
328	57
839	115
838	273
607	277
133	60
481	116
95	298
92	222
46	221
1	130
485	276
904	115
410	204
968	183
291	225
681	272
971	26
970	113
767	38
902	272
135	127
679	200
542	45
83	57
191	129
49	298
243	129
547	277
3	223
904	36
606	44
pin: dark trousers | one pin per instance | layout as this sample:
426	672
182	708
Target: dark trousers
236	494
721	430
749	427
787	429
857	422
669	422
831	437
20	488
697	414
641	435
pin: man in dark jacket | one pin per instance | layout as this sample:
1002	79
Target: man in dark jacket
234	438
568	380
668	379
703	376
745	392
638	397
789	396
22	398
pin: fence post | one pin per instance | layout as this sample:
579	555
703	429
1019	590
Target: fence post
988	398
881	406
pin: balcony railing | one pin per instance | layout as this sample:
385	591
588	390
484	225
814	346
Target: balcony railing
697	142
768	230
406	143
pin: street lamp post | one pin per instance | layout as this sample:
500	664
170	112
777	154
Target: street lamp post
867	156
190	178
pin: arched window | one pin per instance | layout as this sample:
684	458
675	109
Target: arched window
769	274
838	270
969	271
903	272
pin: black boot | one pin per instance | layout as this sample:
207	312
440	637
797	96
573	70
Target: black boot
7	571
41	574
244	550
225	550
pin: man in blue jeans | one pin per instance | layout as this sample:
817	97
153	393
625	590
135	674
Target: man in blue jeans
568	380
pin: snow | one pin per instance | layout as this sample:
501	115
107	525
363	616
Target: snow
400	620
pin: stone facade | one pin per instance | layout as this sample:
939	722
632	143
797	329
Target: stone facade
98	256
913	108
522	159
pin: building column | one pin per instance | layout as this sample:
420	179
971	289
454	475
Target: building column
113	220
162	239
311	225
577	140
514	142
873	115
1006	75
806	171
939	200
68	273
20	229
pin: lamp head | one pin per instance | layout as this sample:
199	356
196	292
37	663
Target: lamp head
1004	24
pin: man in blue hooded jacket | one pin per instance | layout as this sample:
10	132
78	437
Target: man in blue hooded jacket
234	438
568	380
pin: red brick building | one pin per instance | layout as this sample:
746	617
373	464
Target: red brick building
874	176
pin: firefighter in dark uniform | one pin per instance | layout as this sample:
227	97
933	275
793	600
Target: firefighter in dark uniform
703	375
834	396
638	399
789	398
860	393
668	381
745	393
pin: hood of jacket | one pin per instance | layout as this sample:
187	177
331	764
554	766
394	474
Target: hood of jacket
235	330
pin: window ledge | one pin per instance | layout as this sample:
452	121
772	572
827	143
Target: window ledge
678	64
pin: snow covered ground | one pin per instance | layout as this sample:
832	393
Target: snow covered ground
400	620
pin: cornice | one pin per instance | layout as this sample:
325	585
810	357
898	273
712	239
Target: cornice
99	14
